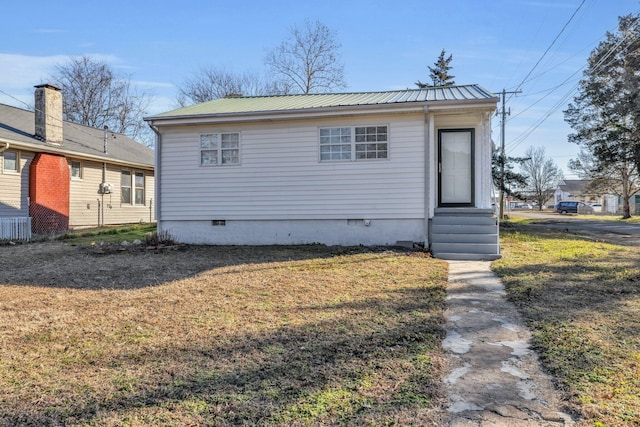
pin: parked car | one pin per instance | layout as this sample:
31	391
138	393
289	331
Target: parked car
573	207
597	207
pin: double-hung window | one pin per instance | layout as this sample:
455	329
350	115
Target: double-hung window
76	169
125	187
220	149
132	187
11	161
354	143
139	188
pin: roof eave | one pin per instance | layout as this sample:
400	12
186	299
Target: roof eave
351	110
76	155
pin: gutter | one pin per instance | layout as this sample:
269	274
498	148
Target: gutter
5	148
74	154
333	111
156	174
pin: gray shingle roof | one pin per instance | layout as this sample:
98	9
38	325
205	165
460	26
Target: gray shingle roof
18	127
257	104
575	186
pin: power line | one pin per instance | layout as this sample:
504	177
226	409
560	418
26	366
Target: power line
605	61
550	46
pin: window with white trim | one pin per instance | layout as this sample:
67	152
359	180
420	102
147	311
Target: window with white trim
11	161
125	187
76	169
132	187
139	188
354	143
220	149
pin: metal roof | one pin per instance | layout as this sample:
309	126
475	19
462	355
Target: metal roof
17	126
257	104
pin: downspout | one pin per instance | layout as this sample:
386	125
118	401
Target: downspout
427	179
156	174
104	172
5	148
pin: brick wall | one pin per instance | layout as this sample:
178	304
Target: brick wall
49	193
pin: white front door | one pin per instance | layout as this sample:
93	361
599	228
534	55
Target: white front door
455	167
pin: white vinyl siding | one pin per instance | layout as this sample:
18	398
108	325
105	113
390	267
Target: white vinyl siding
14	187
281	178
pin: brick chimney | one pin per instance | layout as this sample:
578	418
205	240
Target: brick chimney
48	99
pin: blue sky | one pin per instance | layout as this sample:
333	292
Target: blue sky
386	45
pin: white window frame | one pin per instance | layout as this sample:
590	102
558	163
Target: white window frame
17	162
353	143
136	188
212	145
80	170
133	187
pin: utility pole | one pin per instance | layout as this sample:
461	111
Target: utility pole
504	113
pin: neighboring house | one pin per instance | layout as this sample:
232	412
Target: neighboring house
378	168
578	190
64	175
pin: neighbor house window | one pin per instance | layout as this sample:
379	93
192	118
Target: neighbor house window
354	143
139	183
76	169
125	187
220	149
132	180
11	161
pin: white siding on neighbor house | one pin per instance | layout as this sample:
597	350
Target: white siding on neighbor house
280	176
14	188
86	202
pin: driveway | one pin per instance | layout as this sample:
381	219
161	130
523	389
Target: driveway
609	231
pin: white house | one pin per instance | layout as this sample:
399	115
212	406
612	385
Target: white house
579	190
379	168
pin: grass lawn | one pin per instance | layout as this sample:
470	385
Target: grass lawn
220	336
582	301
108	234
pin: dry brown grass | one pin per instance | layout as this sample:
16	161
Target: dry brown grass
581	299
219	336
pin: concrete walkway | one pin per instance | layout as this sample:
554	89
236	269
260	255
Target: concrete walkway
494	378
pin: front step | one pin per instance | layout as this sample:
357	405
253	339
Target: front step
467	257
464	234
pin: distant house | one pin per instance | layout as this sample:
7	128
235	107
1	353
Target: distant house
409	167
579	190
64	175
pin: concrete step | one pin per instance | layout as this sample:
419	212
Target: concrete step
463	211
474	248
464	238
463	220
466	256
463	229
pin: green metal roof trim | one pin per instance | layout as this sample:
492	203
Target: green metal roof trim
256	104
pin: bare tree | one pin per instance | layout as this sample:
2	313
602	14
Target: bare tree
542	175
95	96
212	83
308	62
